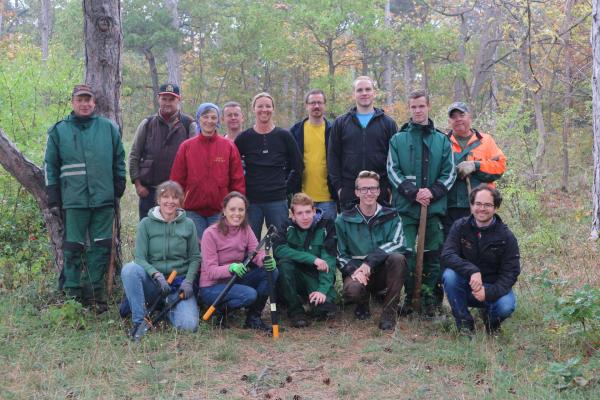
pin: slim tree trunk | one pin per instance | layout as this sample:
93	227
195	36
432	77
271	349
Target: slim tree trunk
595	232
568	102
386	60
103	45
153	74
45	27
172	53
459	87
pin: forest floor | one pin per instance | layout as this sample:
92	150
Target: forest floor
49	351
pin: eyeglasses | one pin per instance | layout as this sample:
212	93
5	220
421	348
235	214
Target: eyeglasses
364	190
315	103
483	205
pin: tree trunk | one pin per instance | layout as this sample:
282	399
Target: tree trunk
103	45
409	72
331	74
386	60
45	25
153	74
568	101
172	53
31	177
595	233
1	17
459	87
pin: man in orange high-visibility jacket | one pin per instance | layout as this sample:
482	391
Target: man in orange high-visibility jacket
477	158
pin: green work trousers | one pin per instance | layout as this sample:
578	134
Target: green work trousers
434	240
296	281
88	240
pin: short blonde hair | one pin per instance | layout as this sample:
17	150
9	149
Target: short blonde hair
301	199
262	94
363	78
366	175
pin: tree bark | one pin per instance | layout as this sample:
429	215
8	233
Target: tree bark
386	60
595	36
31	177
459	86
172	53
45	26
153	74
568	100
103	46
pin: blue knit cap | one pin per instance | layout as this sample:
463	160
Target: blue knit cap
202	109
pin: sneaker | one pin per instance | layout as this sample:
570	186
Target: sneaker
362	312
299	320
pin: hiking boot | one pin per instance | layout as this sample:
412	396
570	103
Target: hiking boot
325	311
431	310
491	328
254	321
99	307
388	319
362	311
405	310
299	320
220	319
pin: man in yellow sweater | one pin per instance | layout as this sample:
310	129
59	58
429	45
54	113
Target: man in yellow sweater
312	136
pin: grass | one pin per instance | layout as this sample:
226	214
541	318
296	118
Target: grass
89	357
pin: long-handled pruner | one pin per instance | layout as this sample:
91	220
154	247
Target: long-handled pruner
272	293
148	322
416	298
227	287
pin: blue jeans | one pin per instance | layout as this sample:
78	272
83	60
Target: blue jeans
243	293
459	294
140	289
201	222
146	203
273	212
329	209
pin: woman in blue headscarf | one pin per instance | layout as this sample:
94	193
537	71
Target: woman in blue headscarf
208	167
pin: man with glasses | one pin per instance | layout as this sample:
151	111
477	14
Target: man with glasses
370	252
478	160
421	171
360	140
481	256
312	136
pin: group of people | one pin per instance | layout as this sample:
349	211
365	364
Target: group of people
344	195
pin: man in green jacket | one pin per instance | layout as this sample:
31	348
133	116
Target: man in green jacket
305	252
421	171
85	173
370	252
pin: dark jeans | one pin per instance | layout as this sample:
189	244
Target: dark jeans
459	294
201	222
243	293
452	214
388	275
272	212
146	203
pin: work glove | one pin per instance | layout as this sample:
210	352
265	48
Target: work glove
238	268
187	289
54	198
119	186
164	286
56	211
269	264
466	168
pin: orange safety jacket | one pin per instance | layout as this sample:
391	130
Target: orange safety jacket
490	164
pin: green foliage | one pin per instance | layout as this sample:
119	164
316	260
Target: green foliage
580	307
70	314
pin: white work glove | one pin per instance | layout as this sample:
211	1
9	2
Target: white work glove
466	168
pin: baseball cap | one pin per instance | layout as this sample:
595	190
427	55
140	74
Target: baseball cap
458	105
79	90
169	88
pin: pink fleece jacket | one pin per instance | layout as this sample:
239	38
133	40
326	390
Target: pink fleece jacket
219	251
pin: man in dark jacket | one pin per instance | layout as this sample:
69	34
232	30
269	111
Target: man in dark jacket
481	256
421	171
85	172
305	252
312	136
155	144
371	249
360	140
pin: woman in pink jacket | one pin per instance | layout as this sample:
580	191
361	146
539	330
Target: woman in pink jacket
208	167
224	246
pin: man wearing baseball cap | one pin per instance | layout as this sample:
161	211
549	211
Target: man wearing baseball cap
85	172
155	144
477	158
